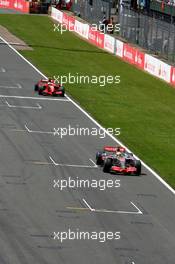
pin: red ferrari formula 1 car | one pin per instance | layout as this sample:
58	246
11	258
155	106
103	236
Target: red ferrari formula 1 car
118	160
49	87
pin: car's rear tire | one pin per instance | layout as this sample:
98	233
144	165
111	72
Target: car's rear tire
99	160
40	92
138	166
63	91
36	87
107	165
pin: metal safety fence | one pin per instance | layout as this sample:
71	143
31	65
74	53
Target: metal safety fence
92	11
148	32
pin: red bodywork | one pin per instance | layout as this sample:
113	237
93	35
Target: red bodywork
114	149
50	87
117	159
129	169
123	170
119	169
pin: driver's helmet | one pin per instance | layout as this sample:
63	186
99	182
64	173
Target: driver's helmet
118	154
50	80
117	149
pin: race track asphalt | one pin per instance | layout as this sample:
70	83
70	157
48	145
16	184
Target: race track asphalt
31	209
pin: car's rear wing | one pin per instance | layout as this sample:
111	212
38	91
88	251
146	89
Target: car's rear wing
44	80
113	149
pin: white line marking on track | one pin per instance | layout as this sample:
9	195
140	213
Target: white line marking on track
73	165
90	208
18	130
53	161
95	165
139	212
18	86
34	98
25	107
93	120
2	69
38	131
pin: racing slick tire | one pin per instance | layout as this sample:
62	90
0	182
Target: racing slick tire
99	160
138	166
36	87
62	95
40	92
63	91
107	165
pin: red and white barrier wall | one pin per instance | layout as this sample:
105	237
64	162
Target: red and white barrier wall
19	5
125	51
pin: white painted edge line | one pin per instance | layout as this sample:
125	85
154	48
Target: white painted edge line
92	119
25	107
33	98
73	165
88	206
18	86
